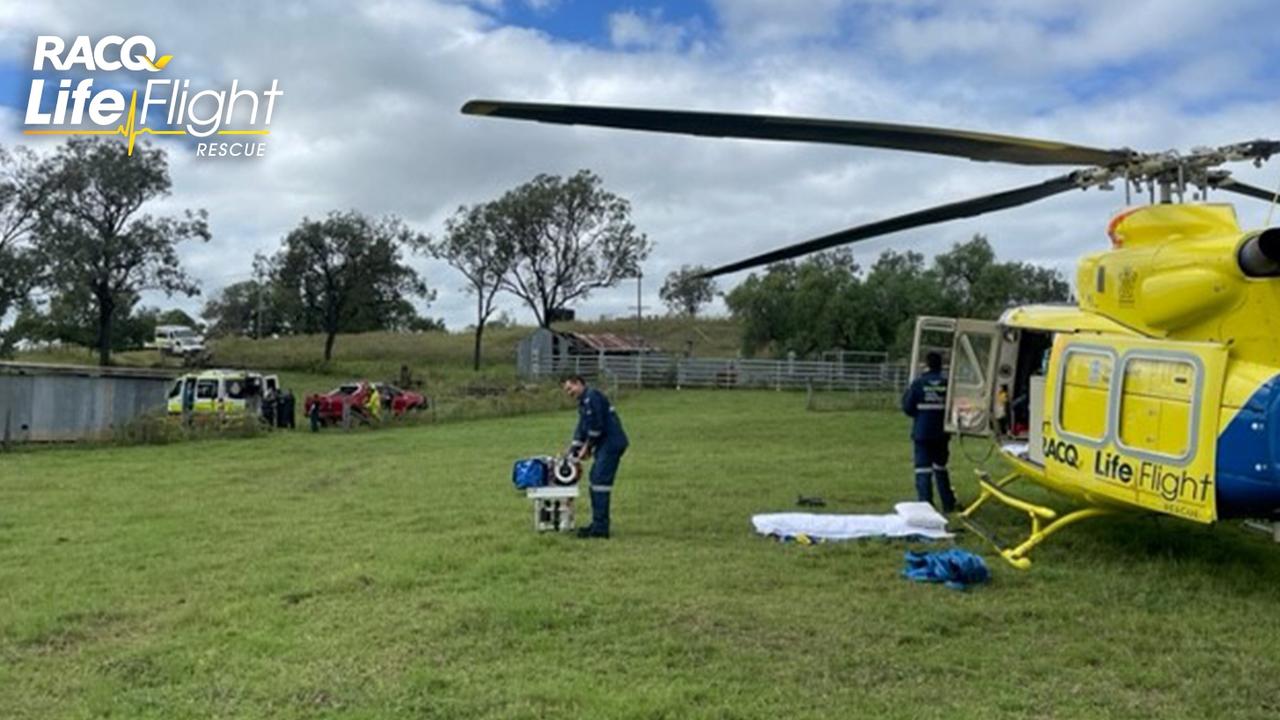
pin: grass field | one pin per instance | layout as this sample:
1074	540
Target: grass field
395	575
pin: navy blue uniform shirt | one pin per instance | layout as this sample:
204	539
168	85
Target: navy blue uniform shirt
598	423
926	402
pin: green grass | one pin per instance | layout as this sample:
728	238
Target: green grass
396	575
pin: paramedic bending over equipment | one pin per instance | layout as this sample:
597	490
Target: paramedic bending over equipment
599	431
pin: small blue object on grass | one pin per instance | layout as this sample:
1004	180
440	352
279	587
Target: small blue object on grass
957	569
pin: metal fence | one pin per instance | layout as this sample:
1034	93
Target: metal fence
44	403
654	370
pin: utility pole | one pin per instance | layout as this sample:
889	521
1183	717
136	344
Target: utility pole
639	307
257	325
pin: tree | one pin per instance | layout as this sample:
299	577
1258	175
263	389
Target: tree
822	302
234	310
685	291
22	189
91	236
176	317
345	274
568	237
475	245
803	307
70	318
898	288
973	284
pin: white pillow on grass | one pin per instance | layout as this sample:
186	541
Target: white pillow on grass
921	515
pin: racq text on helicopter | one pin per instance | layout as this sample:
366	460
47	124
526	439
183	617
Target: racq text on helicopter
1158	392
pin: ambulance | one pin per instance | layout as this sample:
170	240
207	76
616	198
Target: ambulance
223	392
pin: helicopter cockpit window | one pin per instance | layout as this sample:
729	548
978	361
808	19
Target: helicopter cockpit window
1084	393
1157	406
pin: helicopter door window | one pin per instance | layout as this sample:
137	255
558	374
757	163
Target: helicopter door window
1084	390
973	360
1158	406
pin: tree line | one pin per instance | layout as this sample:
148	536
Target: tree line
826	302
78	250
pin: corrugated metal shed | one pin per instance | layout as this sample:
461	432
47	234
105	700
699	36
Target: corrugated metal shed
48	403
540	352
610	343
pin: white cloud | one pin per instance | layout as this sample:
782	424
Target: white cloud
631	30
763	22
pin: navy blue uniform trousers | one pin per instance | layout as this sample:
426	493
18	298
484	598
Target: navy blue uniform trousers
603	471
931	466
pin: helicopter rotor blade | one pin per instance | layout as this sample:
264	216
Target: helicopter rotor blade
1232	185
929	216
916	138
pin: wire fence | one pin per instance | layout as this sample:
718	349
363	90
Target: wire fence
657	370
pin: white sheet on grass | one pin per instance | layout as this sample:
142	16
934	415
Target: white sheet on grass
908	519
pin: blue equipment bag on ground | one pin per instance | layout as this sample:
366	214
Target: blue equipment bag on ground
956	568
529	473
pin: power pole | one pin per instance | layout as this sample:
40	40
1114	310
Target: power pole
639	307
257	325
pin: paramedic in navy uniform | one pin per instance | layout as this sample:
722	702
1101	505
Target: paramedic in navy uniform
600	432
925	402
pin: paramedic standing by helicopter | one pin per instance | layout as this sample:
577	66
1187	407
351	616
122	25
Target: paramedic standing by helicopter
926	402
599	432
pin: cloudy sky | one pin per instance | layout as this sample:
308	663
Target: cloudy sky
369	119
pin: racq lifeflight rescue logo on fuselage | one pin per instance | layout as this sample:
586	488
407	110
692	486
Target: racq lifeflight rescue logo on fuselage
162	106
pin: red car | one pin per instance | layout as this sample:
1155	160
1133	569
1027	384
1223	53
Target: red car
394	400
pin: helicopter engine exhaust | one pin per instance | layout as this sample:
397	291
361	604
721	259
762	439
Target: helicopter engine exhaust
1259	256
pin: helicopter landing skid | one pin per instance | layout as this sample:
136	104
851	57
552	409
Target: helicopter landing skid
1044	521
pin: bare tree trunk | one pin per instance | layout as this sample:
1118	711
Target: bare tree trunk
330	327
481	316
106	309
479	334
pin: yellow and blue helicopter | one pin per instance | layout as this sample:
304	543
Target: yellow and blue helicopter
1159	391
